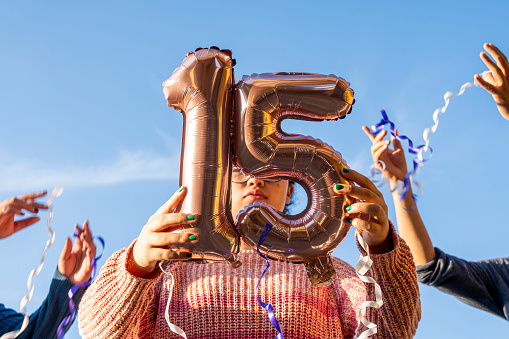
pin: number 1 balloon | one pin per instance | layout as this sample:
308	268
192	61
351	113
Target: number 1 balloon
201	89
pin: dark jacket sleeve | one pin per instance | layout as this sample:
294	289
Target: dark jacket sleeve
481	284
45	321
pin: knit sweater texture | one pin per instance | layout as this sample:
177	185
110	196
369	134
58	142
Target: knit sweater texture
217	301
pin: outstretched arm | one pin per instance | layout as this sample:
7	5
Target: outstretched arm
410	225
496	82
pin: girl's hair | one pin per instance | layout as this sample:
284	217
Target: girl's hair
288	206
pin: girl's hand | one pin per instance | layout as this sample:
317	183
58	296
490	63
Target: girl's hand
158	241
497	81
76	261
394	160
15	206
369	214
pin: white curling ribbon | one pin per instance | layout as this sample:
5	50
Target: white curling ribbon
57	191
174	328
447	96
362	267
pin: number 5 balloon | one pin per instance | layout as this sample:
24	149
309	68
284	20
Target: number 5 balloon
263	150
201	89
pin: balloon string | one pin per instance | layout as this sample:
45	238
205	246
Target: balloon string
57	191
72	307
361	269
268	307
174	328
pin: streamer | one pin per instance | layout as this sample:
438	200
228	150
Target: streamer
361	269
447	96
268	307
174	328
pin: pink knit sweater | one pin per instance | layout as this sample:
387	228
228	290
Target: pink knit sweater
213	301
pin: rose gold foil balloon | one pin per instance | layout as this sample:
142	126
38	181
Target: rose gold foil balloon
263	150
202	90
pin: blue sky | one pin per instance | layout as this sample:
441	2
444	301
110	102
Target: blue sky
82	106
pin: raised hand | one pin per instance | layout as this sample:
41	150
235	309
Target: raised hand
76	261
158	239
11	207
497	81
394	160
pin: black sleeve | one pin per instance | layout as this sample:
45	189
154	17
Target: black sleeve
481	284
45	321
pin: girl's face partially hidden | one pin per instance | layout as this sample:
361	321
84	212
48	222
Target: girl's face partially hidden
277	194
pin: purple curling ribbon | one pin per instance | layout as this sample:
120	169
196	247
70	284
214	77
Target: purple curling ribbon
72	307
375	129
268	307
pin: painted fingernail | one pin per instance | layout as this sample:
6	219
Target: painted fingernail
345	170
181	189
189	255
348	208
339	186
190	217
193	237
349	220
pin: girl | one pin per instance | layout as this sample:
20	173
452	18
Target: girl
129	297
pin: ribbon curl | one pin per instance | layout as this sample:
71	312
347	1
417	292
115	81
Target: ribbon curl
447	96
268	307
361	269
174	328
